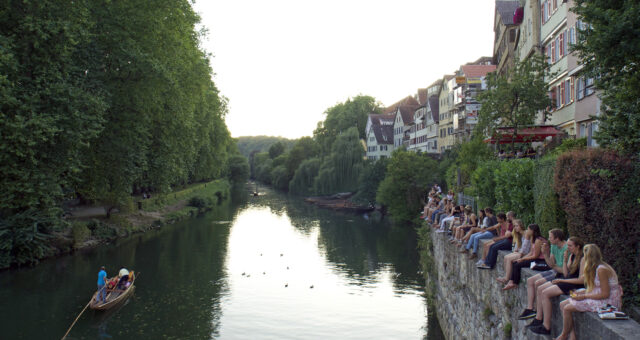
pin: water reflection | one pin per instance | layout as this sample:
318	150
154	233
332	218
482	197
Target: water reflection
243	271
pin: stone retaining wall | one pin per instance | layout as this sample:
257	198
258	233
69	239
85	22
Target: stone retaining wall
470	304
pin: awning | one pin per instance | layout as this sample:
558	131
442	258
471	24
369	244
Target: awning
504	135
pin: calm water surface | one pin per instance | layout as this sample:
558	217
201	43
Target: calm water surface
268	267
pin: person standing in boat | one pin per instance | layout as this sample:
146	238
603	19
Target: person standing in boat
102	281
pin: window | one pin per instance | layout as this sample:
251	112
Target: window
542	14
553	52
371	139
561	45
555	5
580	88
567	91
588	87
558	97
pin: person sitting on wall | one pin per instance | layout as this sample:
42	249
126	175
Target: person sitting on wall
439	207
553	256
522	248
534	255
456	213
483	222
602	286
502	242
487	245
572	278
474	240
447	211
470	221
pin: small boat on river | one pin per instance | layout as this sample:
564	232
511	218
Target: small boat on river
114	297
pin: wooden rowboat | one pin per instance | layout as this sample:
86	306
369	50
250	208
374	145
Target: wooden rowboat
113	298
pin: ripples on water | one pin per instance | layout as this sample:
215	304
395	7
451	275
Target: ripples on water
267	268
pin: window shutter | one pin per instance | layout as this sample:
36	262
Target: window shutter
561	44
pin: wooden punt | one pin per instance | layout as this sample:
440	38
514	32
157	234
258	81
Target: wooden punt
113	298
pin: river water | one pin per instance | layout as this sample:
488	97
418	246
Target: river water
267	267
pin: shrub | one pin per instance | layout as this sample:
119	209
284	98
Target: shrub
548	213
80	233
197	202
483	183
514	188
598	190
303	178
403	188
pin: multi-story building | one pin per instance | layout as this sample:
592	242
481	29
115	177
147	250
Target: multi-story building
432	117
445	103
470	81
506	31
379	134
528	38
556	38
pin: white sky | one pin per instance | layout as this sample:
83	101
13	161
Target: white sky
282	63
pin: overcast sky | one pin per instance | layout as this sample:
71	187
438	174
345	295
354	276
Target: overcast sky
282	63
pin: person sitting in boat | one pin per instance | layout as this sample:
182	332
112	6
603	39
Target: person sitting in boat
102	281
123	277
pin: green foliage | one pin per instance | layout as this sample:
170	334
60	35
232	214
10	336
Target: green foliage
237	169
280	178
276	150
305	148
304	177
483	183
251	145
517	99
468	157
609	48
372	174
80	233
340	170
548	213
508	328
353	113
603	209
408	176
214	191
90	103
570	144
514	188
197	202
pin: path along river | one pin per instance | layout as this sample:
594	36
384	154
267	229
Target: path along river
267	267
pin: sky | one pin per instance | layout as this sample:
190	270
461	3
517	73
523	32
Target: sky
283	63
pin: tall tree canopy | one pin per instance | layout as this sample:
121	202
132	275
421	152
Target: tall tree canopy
102	100
342	116
609	46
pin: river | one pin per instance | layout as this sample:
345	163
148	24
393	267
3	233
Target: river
267	267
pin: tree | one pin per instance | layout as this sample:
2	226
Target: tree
305	148
609	47
515	100
409	175
238	169
276	149
341	169
371	175
353	113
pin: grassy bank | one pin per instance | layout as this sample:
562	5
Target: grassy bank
154	213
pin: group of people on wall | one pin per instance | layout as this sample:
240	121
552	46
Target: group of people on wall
566	266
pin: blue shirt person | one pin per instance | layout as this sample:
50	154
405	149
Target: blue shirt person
102	280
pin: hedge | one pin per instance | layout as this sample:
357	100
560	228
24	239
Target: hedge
598	190
548	213
514	188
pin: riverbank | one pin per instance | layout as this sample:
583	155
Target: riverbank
90	230
471	305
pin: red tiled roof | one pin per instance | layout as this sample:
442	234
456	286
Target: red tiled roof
422	96
476	71
409	100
